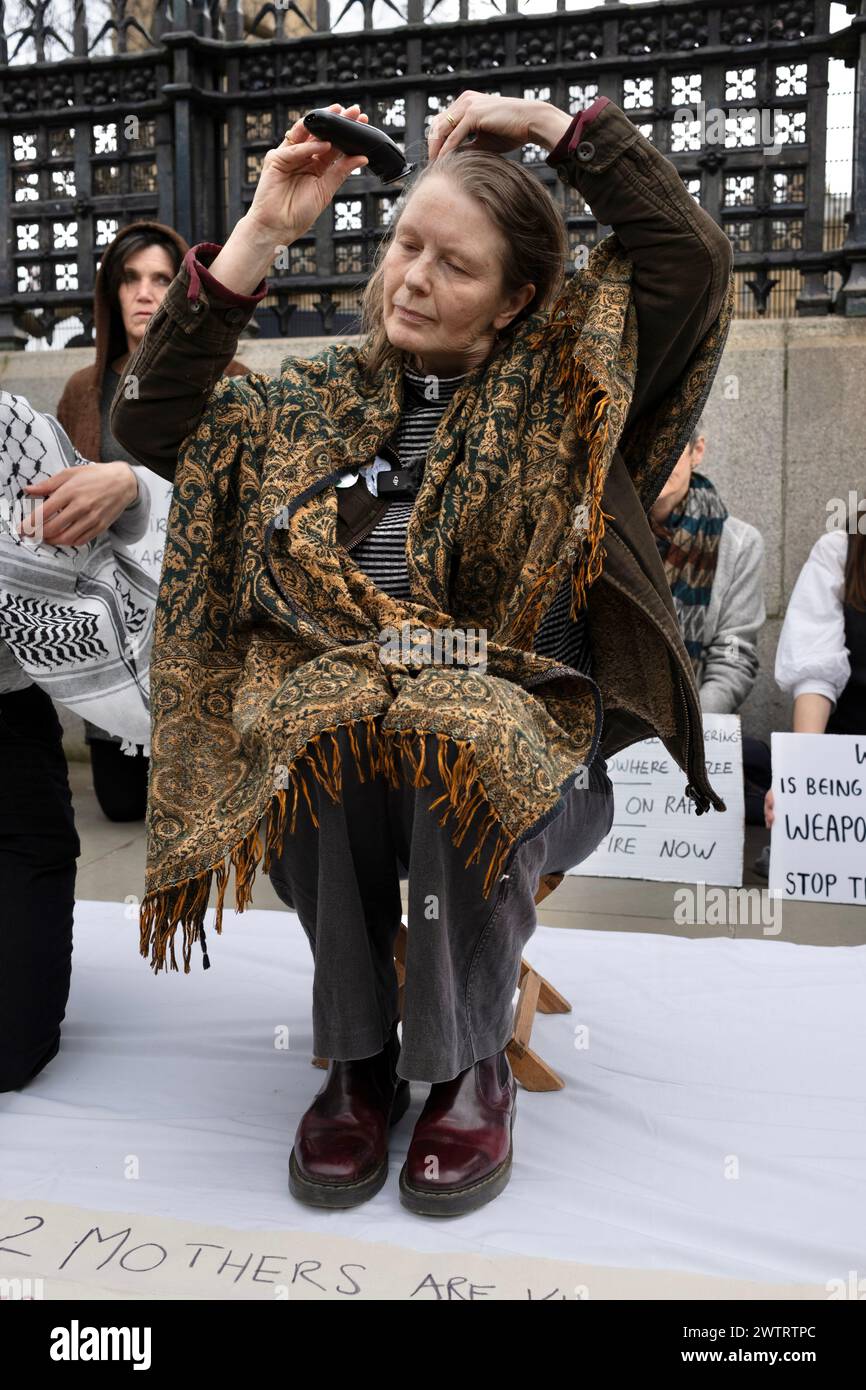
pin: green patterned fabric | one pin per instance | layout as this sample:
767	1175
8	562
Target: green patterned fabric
268	636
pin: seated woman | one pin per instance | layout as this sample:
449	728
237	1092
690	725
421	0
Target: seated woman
135	270
715	566
531	419
821	655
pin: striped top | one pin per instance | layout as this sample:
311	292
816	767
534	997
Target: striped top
382	553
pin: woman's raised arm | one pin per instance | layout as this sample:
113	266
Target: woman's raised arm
682	258
190	340
193	335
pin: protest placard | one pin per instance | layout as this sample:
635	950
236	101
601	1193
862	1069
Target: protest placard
656	833
818	836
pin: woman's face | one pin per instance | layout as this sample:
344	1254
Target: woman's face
143	284
444	265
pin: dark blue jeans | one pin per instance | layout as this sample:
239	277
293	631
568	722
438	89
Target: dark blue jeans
463	951
38	849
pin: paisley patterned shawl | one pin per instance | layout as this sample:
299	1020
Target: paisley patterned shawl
268	636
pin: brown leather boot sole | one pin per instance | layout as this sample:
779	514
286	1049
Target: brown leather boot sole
458	1201
332	1194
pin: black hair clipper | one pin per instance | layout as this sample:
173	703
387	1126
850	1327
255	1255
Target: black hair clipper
357	137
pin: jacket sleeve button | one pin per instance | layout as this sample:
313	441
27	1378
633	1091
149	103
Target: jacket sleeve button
195	307
585	150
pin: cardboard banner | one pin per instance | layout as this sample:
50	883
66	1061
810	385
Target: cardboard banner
818	836
52	1251
656	833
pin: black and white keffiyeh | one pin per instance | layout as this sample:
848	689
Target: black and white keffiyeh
77	619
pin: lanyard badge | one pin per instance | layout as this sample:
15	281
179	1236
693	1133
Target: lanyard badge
397	482
385	479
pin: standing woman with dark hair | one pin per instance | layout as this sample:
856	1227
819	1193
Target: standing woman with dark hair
135	271
533	422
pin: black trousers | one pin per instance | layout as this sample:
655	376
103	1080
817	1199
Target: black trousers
757	776
39	847
463	951
119	781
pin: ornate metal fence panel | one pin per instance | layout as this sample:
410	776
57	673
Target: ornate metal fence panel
116	110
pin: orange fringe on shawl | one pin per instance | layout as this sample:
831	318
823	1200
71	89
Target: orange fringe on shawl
590	402
185	904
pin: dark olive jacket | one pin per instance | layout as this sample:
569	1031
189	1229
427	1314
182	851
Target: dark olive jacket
682	268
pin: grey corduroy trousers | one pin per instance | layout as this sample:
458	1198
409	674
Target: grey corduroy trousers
463	952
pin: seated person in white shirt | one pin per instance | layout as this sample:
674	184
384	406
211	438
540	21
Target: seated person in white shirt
821	656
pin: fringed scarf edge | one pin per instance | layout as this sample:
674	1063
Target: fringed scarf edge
184	904
591	407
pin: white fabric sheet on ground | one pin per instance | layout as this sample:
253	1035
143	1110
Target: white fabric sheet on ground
713	1118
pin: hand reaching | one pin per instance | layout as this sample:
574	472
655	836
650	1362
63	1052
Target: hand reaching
77	504
299	178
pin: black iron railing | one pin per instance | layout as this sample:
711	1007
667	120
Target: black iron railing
119	109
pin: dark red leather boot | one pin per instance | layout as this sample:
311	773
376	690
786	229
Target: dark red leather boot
340	1154
461	1149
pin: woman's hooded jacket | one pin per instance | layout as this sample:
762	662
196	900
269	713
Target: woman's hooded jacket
545	463
80	406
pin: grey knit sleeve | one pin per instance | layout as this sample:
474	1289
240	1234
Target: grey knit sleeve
133	522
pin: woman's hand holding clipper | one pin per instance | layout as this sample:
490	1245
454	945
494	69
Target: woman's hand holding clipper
298	180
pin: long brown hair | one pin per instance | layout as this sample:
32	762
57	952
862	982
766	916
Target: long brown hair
518	204
855	571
